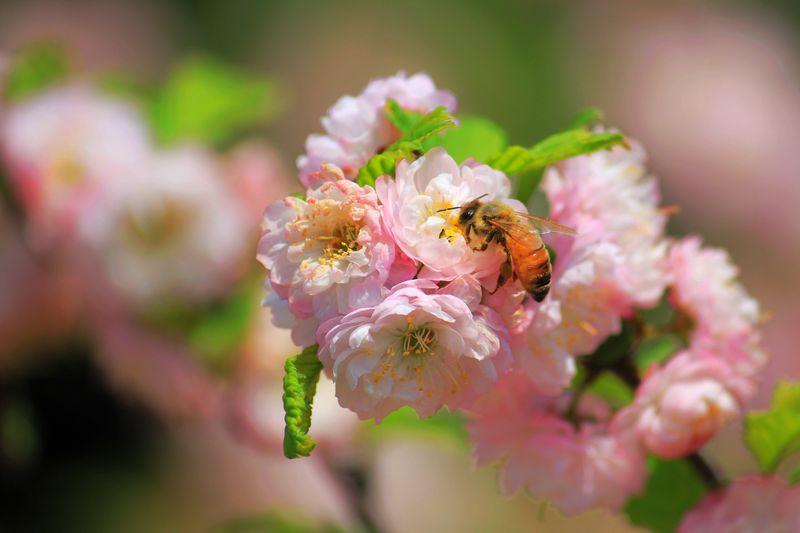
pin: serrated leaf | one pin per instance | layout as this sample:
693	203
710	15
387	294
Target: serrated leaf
408	146
512	160
612	389
475	137
657	350
403	119
35	68
302	373
673	488
587	117
774	435
570	143
206	100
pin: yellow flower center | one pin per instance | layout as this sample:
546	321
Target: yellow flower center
340	244
451	229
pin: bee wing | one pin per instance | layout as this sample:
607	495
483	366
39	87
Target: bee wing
542	225
522	225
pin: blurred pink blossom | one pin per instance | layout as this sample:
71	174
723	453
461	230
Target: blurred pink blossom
357	128
576	466
705	286
255	173
680	406
422	346
170	227
40	303
155	370
749	504
63	148
410	209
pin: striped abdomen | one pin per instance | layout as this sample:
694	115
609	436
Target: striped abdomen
531	264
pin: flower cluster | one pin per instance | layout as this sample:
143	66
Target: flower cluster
410	307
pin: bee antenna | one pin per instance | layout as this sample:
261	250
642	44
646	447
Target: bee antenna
448	209
481	196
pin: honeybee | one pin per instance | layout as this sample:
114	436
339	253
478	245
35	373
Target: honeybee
527	258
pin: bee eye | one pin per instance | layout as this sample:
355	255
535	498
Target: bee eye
468	214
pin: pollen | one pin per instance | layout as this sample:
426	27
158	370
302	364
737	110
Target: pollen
588	328
418	340
451	233
339	245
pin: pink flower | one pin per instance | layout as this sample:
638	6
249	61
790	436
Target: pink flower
680	406
410	210
256	175
170	227
583	308
749	504
357	128
63	148
327	255
422	346
615	263
607	196
576	466
704	286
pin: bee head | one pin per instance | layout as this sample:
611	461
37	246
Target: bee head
467	212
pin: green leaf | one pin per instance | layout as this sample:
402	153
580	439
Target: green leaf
526	184
403	119
612	389
657	350
614	348
205	100
299	386
673	488
35	68
794	477
587	117
512	160
273	522
774	435
475	137
19	439
408	146
218	333
661	315
570	143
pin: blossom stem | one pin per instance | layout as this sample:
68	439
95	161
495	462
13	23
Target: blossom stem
704	470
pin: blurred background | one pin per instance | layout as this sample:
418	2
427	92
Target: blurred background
132	433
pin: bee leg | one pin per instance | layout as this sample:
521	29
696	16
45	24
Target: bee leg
505	274
493	235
